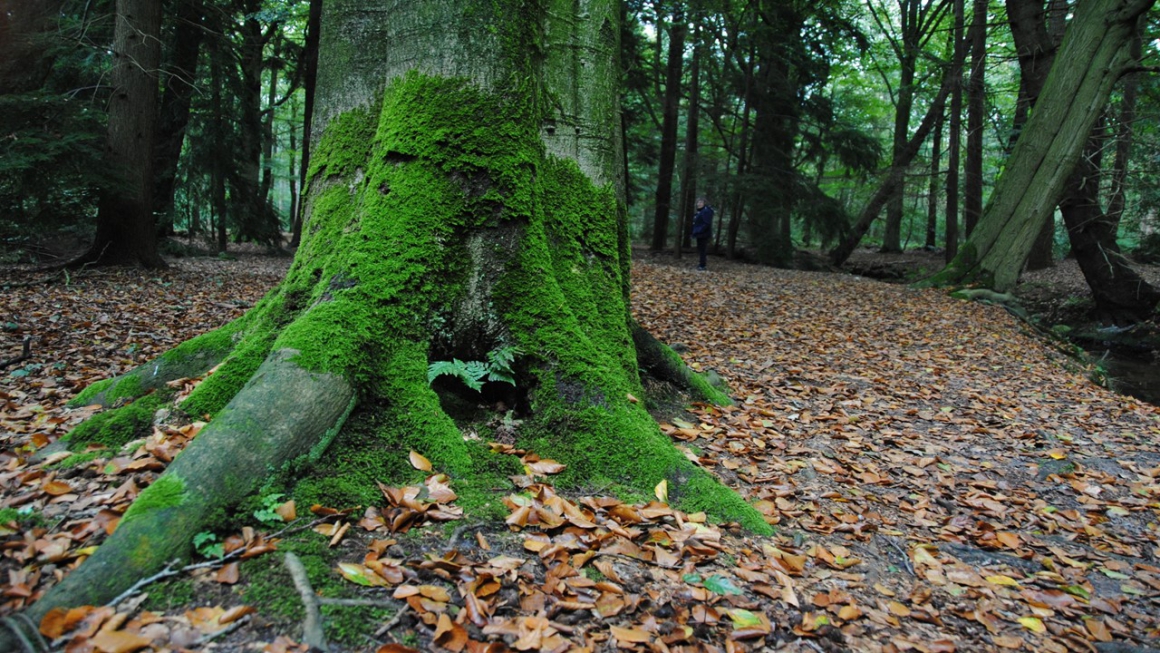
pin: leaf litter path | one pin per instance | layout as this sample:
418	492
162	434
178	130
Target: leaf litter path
939	481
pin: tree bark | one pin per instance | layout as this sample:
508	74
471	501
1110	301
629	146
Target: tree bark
309	77
1121	295
932	199
668	156
976	109
692	127
176	101
1047	152
955	137
125	227
464	197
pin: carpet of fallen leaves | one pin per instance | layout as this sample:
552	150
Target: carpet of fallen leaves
940	479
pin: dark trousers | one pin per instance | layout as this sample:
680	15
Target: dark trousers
702	248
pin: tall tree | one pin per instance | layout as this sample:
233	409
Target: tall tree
473	206
125	228
976	110
309	65
918	23
692	133
678	30
1073	96
955	129
178	87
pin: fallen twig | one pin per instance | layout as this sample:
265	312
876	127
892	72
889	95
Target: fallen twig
24	355
394	621
312	634
205	639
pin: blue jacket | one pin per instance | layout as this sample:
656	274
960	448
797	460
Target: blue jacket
703	222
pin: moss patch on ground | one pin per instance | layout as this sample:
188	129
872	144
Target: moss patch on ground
272	591
114	428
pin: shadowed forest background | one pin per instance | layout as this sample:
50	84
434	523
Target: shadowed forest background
787	118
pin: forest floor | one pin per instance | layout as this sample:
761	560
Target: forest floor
941	478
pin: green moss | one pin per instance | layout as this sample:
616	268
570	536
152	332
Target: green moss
373	448
80	459
127	387
113	428
191	358
170	595
86	396
29	518
271	590
963	269
166	492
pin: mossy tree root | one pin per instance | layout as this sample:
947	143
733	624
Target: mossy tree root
283	413
189	359
665	364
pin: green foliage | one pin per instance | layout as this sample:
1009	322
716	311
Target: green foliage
207	545
266	514
498	367
24	516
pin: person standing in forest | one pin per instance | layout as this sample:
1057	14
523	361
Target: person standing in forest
702	229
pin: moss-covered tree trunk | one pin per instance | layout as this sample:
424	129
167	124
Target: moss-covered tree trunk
464	199
1032	183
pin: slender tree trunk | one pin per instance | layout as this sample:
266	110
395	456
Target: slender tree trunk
692	123
933	197
310	65
894	176
1095	47
668	156
126	234
1124	137
892	235
738	204
955	137
267	182
292	174
976	113
176	101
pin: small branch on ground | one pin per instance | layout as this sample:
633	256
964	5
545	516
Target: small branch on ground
394	621
25	354
312	634
224	631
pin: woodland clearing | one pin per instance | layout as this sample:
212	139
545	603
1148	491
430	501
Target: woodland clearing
941	478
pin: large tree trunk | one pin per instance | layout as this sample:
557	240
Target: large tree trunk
1050	147
464	197
125	231
776	124
668	156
